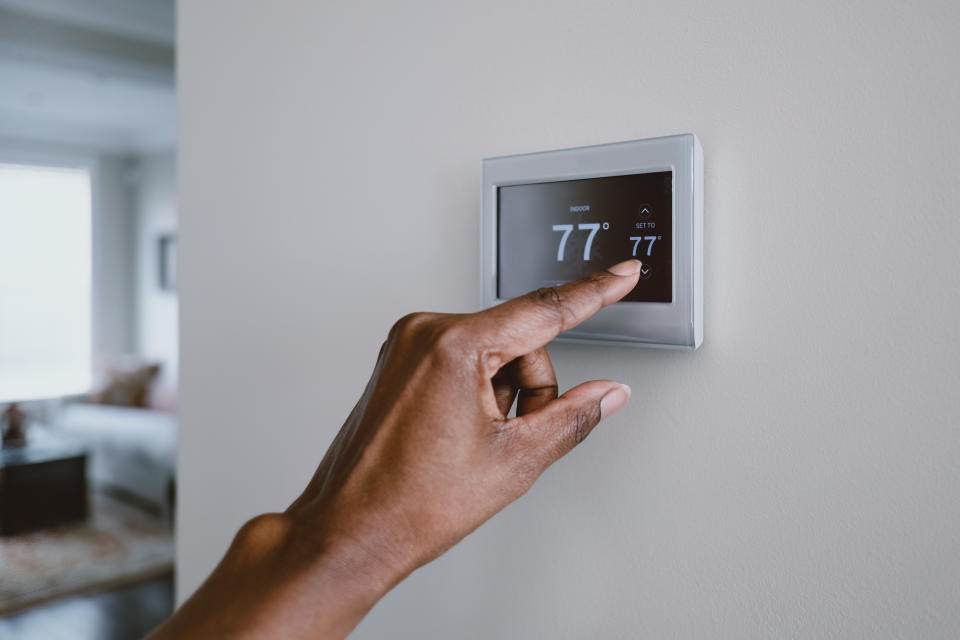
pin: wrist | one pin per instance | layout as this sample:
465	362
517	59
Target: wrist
366	558
284	578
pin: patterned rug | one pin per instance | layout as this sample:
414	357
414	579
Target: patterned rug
118	545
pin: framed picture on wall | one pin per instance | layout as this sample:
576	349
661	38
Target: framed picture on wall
167	252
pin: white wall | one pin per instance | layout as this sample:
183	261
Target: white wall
798	476
156	207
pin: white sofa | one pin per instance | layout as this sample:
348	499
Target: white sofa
133	452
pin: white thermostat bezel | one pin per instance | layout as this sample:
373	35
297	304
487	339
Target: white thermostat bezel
677	324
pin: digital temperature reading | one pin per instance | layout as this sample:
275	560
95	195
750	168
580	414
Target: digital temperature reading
555	232
549	217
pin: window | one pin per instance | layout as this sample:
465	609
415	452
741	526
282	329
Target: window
45	281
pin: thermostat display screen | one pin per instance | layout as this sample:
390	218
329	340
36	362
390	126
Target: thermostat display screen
554	232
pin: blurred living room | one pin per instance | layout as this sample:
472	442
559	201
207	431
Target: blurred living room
88	317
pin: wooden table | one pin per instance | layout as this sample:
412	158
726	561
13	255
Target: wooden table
42	484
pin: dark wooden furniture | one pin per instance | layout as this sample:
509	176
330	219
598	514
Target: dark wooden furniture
42	484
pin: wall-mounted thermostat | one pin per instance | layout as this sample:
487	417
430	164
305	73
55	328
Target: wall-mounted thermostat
556	216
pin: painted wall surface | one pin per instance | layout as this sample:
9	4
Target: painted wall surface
156	207
114	229
798	476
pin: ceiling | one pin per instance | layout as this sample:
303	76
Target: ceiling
96	73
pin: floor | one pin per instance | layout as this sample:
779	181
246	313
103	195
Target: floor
128	613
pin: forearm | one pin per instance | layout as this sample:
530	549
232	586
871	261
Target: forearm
427	455
279	579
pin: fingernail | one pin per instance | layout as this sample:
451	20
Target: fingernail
614	400
625	268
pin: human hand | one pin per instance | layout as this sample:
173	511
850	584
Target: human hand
428	453
426	456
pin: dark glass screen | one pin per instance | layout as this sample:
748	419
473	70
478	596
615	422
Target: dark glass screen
554	232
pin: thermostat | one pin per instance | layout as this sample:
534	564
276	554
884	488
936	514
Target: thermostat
555	216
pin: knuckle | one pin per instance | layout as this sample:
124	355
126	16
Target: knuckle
599	277
548	297
582	422
451	338
490	361
551	301
444	338
408	324
580	430
598	283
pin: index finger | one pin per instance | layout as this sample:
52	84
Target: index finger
519	326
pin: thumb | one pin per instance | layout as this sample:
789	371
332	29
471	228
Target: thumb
554	429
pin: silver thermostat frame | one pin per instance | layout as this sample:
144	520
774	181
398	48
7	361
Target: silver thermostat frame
672	325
